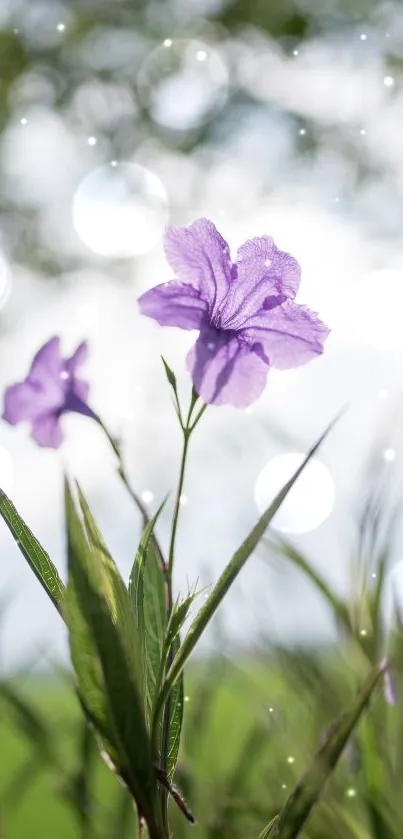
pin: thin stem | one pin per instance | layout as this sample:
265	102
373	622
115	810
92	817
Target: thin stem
186	431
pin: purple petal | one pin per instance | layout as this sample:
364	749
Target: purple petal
199	255
289	334
266	277
46	431
47	364
27	401
77	359
224	371
174	304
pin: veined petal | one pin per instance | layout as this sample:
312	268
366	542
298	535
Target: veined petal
290	334
47	364
174	304
27	401
47	432
224	371
263	273
199	255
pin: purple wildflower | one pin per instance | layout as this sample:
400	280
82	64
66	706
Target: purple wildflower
244	311
50	390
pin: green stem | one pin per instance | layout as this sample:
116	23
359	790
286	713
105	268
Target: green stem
175	520
187	430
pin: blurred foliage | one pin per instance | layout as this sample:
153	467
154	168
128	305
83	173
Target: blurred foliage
103	45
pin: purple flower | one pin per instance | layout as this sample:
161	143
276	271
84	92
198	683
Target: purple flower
244	311
50	390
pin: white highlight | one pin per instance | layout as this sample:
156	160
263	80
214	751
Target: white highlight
147	496
184	85
309	502
120	211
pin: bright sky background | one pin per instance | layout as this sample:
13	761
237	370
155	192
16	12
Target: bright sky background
107	215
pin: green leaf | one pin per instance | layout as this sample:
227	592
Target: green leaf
37	558
225	582
148	594
175	720
109	687
170	375
297	808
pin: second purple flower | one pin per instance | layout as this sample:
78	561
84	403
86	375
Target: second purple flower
244	311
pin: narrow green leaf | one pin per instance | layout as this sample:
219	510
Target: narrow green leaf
225	581
98	594
175	719
170	375
38	560
297	808
148	594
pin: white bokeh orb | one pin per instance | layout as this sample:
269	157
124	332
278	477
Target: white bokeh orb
373	310
6	470
309	502
120	210
183	83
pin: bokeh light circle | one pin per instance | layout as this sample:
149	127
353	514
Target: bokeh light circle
6	470
309	502
373	311
120	210
183	83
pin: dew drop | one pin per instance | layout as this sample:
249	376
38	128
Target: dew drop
388	81
363	132
283	786
183	500
363	36
351	792
290	759
389	455
363	633
267	263
114	163
271	710
295	52
201	55
64	374
92	141
373	576
61	27
186	699
302	132
24	121
167	42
